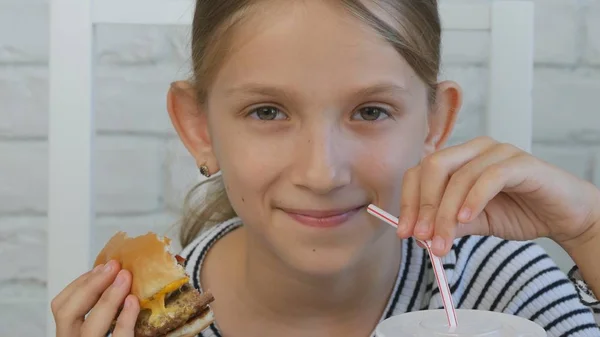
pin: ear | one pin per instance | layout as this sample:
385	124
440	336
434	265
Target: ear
191	124
443	114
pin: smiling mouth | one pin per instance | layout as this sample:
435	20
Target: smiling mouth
323	218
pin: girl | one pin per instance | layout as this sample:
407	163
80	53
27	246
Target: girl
312	110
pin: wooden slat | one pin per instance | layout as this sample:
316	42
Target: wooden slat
143	12
465	16
509	116
70	138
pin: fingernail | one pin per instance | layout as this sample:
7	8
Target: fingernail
438	243
422	227
127	302
107	268
98	268
120	279
402	226
464	214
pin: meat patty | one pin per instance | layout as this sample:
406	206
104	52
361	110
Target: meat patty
183	305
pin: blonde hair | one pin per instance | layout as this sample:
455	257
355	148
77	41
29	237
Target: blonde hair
415	34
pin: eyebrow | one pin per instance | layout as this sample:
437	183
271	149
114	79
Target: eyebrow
257	88
272	91
382	88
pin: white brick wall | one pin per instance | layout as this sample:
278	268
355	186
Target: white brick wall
557	32
591	52
142	170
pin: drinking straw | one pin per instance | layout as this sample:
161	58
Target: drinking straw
438	268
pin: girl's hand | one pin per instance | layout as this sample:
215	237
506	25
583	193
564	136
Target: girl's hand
100	292
487	188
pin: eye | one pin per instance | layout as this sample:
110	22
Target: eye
371	113
267	113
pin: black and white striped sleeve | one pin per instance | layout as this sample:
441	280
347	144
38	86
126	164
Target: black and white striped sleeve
586	296
544	294
519	278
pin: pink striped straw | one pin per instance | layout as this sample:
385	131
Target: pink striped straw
438	268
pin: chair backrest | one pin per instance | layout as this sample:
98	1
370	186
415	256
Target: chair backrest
71	129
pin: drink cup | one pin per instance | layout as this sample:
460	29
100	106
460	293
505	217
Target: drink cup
471	323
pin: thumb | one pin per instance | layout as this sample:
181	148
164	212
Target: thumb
476	227
479	226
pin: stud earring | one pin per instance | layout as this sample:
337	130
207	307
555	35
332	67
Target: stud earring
204	171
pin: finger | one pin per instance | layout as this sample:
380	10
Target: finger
84	297
456	192
433	182
418	242
479	226
59	300
409	202
436	171
100	318
125	326
507	174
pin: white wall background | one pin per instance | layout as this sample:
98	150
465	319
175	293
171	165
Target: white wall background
142	171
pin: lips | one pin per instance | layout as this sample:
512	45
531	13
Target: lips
323	218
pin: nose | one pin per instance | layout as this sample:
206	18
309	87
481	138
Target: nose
321	162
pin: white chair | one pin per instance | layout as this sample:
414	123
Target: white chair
71	131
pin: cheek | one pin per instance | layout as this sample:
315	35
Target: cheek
250	164
381	167
244	188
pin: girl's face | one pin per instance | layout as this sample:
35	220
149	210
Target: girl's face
311	117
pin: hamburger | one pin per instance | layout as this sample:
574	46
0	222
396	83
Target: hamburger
169	305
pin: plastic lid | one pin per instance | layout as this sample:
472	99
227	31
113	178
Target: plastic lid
471	323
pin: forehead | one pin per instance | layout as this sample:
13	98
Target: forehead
316	42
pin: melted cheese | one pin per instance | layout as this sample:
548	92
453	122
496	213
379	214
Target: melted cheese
156	303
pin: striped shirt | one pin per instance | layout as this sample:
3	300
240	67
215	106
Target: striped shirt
485	273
